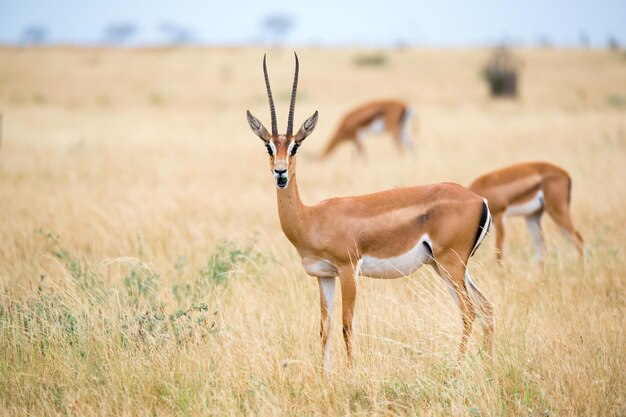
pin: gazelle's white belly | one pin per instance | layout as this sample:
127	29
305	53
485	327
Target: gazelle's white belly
376	126
397	266
394	267
527	208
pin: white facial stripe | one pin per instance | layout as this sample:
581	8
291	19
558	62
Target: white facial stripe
291	145
273	147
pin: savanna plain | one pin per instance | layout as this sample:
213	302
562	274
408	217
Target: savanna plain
143	270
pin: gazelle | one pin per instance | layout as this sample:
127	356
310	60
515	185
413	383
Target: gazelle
529	189
389	116
388	234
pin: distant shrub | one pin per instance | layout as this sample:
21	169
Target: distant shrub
376	59
501	74
39	98
616	100
156	99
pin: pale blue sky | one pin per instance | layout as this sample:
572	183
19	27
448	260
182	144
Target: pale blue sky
327	22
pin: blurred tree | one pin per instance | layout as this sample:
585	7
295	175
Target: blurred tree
612	43
34	35
175	34
278	26
119	33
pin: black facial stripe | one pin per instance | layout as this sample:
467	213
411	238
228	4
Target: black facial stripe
269	149
294	149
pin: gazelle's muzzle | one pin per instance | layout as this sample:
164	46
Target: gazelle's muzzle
281	177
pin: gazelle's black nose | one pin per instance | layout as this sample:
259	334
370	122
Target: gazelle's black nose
280	172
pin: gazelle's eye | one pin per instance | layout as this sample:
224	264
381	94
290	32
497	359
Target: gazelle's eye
294	149
269	149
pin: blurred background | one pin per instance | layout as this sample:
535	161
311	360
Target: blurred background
143	270
321	23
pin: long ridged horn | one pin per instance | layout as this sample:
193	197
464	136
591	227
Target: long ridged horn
292	105
271	99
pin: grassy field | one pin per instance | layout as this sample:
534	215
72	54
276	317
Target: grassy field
143	270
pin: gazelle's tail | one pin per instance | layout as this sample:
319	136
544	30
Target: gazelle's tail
483	226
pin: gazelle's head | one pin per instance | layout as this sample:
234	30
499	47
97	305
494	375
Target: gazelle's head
282	148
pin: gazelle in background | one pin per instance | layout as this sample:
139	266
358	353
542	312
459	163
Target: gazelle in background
391	116
388	234
529	189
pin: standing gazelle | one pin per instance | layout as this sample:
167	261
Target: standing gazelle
529	189
382	235
391	116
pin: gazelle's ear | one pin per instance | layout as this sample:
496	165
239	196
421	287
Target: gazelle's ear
307	128
258	128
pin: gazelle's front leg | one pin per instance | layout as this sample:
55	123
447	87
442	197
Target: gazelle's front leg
347	279
327	296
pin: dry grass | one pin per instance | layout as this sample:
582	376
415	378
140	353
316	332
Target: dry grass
143	270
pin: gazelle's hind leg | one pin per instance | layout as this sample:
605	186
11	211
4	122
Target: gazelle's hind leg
498	222
484	309
564	220
401	137
468	298
400	129
359	141
558	207
533	222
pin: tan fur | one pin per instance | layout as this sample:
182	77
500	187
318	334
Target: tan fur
518	184
391	112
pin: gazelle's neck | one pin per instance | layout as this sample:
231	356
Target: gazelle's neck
293	214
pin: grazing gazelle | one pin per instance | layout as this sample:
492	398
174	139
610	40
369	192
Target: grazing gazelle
529	189
382	235
389	116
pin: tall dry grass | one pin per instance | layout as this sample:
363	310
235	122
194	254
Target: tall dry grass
143	270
